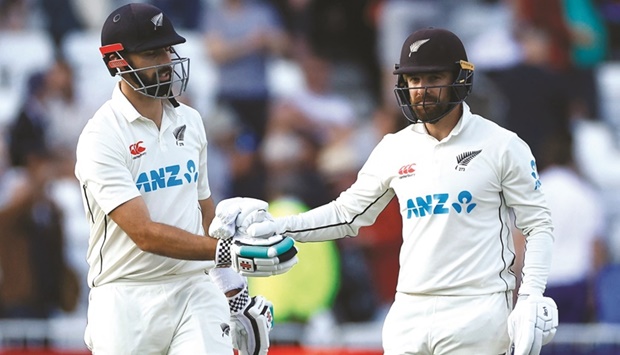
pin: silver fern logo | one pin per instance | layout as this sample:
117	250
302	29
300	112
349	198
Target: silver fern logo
179	135
463	159
415	46
158	20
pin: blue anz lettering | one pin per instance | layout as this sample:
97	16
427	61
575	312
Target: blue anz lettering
439	207
437	204
158	179
411	209
424	205
165	177
174	171
143	182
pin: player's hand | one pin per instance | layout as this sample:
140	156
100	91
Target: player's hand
234	215
532	324
255	257
252	320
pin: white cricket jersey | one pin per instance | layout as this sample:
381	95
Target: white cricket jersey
454	198
122	155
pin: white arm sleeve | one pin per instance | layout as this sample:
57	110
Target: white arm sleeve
536	264
356	207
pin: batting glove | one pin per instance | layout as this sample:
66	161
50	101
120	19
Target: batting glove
264	257
234	215
252	320
532	324
257	257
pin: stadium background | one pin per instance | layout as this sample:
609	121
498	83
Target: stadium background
335	302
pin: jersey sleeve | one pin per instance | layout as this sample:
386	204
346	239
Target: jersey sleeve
102	169
524	193
204	190
356	207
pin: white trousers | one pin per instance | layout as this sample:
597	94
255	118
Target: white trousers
184	315
447	325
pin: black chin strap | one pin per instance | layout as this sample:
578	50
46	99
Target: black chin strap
174	102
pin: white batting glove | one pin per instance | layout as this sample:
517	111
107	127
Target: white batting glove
252	320
234	215
254	257
532	324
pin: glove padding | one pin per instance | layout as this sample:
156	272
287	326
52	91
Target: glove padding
263	257
252	320
257	257
532	324
234	215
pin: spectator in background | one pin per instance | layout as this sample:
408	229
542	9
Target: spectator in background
317	109
36	282
535	96
396	20
241	36
14	15
547	17
61	18
578	219
343	31
610	10
597	153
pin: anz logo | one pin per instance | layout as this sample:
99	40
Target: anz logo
168	176
440	204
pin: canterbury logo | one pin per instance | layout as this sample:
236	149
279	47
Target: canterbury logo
179	135
415	46
137	149
158	20
406	169
463	159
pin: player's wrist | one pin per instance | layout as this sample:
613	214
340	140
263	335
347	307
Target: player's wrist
223	256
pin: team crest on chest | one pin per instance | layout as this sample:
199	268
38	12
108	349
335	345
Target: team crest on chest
463	159
179	135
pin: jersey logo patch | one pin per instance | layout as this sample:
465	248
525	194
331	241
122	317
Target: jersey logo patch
463	159
137	150
406	170
179	135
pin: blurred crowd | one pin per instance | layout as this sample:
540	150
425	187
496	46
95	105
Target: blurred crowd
294	95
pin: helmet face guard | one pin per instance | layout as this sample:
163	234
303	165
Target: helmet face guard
155	88
457	91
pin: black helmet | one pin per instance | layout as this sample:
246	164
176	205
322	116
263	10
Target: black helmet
433	50
140	27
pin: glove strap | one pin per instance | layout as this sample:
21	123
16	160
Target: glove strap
223	257
238	302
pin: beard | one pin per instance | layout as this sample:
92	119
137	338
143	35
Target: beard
155	87
431	110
